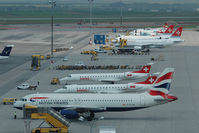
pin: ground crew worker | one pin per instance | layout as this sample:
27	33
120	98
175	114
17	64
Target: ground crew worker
38	83
15	115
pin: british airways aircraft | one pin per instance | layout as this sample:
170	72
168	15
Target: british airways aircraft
110	77
85	105
6	52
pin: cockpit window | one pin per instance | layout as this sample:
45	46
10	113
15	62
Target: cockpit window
23	99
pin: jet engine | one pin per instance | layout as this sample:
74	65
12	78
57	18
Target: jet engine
70	114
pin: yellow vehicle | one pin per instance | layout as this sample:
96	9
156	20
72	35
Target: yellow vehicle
9	100
48	130
106	47
42	57
48	56
123	43
89	52
94	58
93	52
55	81
85	52
35	65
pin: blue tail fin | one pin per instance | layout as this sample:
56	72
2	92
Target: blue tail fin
6	51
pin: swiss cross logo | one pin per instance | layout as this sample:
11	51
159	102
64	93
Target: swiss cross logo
132	86
151	80
178	33
146	69
170	30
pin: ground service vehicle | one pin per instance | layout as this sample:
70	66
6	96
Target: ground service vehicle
9	100
55	81
26	86
35	65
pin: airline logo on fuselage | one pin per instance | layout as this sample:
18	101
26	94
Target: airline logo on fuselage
151	80
132	86
129	75
39	98
82	90
146	69
178	33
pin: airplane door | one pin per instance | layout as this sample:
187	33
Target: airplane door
142	99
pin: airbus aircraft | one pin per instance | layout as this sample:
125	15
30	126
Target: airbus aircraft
86	104
6	52
155	43
110	77
110	88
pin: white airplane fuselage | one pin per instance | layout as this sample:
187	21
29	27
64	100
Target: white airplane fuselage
94	102
105	77
105	88
152	43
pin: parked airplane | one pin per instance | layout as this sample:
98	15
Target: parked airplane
150	34
110	77
147	34
6	52
108	88
86	104
155	43
119	88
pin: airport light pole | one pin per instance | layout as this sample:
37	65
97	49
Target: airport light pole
53	4
121	15
91	7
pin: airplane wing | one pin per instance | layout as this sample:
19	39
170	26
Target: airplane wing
83	107
109	80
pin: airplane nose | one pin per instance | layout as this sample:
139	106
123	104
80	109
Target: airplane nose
172	98
17	105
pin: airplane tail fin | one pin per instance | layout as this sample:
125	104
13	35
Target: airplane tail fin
169	30
145	69
7	50
162	86
178	32
164	79
150	80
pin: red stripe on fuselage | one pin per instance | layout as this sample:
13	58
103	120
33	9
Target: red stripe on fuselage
39	98
83	90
